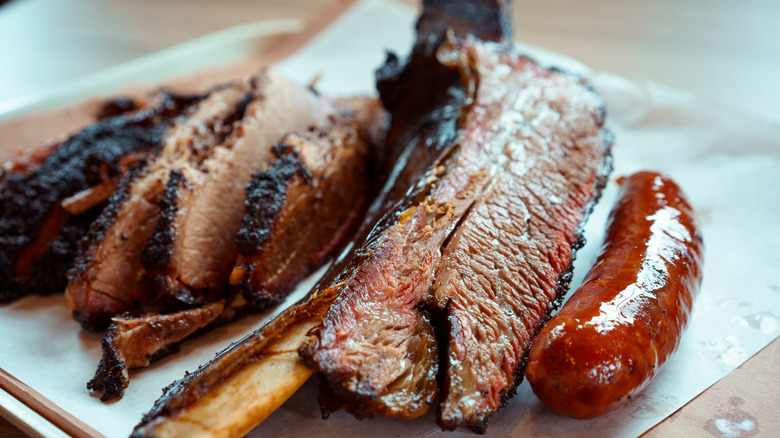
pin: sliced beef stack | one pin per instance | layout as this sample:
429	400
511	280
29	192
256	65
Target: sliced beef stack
290	164
108	278
48	199
469	271
193	249
299	210
168	240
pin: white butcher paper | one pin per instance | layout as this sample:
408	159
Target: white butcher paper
728	163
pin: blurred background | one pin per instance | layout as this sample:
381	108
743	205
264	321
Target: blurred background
724	51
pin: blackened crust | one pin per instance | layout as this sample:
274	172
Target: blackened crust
265	195
229	124
135	342
110	379
100	225
92	238
157	253
87	158
49	274
117	107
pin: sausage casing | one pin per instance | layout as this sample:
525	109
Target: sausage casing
623	323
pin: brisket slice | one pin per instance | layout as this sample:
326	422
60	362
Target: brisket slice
36	234
132	342
508	263
481	257
303	206
351	145
390	337
108	278
191	254
376	348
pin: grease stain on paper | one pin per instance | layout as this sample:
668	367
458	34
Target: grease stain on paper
765	321
730	352
645	407
733	424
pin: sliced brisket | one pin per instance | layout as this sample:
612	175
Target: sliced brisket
304	205
509	260
108	278
193	250
36	234
170	223
135	342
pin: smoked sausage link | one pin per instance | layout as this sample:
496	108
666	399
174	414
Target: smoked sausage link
623	323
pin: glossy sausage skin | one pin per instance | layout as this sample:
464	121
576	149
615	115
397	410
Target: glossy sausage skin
624	322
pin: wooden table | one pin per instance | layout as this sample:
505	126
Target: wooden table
722	51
